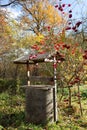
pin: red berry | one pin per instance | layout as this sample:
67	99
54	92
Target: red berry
67	28
70	11
85	57
60	8
55	65
63	12
68	47
74	28
66	100
70	15
85	51
41	52
48	28
69	5
63	5
56	6
78	23
69	23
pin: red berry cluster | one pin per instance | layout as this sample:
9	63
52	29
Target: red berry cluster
66	100
48	28
66	46
76	80
75	27
36	47
60	57
85	55
32	56
61	8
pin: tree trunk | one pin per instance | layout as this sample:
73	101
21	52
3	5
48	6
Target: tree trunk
69	96
79	99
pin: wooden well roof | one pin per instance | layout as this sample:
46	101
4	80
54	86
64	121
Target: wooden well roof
33	58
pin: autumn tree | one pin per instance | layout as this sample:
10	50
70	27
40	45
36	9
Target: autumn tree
5	33
39	14
9	44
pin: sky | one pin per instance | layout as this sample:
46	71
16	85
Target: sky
78	7
14	12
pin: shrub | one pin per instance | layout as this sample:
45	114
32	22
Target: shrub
6	84
84	93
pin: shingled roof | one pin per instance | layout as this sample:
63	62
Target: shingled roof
33	58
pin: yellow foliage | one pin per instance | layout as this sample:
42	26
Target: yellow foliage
5	33
40	14
39	38
52	15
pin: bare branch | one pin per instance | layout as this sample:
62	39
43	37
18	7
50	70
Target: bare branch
5	5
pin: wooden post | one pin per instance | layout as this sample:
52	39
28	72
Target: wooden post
28	74
55	91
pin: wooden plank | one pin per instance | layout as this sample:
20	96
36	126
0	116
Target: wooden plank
36	78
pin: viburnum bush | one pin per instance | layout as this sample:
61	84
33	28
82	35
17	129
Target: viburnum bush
73	70
70	24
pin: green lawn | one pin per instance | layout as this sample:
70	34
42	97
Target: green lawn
12	114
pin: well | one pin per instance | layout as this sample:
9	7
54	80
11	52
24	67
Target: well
39	104
41	100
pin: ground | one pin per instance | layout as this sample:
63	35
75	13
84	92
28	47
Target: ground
12	114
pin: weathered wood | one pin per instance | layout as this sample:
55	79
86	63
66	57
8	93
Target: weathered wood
55	90
40	78
39	104
28	74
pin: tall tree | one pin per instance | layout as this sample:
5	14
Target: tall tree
5	33
37	14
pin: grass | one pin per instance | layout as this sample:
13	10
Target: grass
12	114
